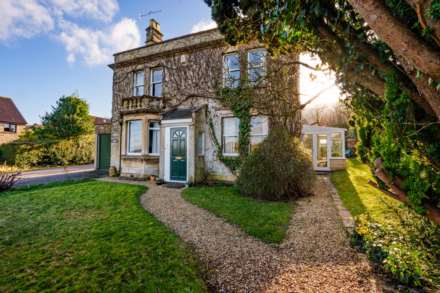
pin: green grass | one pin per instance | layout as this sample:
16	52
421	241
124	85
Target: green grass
265	220
89	236
359	197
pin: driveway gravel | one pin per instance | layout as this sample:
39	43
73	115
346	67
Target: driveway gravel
314	257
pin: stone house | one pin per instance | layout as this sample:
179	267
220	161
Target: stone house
12	123
166	120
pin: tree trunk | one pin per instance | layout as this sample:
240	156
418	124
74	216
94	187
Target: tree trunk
398	37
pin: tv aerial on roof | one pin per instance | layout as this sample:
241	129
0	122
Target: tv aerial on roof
149	13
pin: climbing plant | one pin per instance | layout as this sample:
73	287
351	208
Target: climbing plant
239	101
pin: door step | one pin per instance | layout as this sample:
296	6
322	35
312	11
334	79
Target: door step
174	185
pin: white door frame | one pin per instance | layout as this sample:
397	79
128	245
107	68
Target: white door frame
315	152
167	163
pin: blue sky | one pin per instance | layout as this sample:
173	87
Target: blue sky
50	48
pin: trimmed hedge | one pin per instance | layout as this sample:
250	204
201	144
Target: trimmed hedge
78	150
279	169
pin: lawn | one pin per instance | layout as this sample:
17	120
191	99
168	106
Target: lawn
89	236
265	220
359	197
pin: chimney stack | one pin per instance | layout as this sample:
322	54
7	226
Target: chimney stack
154	35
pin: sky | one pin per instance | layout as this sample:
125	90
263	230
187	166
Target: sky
51	48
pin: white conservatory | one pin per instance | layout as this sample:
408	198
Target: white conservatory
327	146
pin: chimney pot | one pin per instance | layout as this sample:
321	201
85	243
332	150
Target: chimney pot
154	34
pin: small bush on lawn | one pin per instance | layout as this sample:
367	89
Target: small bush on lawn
410	255
279	169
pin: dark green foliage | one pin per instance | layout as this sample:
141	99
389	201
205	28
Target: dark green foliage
69	118
434	10
265	220
411	257
407	150
279	169
89	237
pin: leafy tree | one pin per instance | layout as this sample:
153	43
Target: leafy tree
386	54
69	118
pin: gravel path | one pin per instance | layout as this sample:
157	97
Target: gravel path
315	256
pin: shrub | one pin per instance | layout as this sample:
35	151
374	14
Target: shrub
278	169
410	255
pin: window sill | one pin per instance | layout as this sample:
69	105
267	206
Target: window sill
230	155
140	157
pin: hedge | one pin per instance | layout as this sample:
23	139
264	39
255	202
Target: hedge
78	150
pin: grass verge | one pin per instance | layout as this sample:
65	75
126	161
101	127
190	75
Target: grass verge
265	220
89	236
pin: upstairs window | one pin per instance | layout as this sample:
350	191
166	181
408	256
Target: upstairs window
259	130
156	82
230	136
231	70
154	138
134	137
256	65
139	80
10	127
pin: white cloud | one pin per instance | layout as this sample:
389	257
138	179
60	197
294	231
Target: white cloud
125	35
96	47
23	18
203	25
97	9
27	18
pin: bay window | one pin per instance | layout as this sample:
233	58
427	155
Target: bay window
259	130
134	137
138	81
231	70
154	138
256	65
230	136
156	82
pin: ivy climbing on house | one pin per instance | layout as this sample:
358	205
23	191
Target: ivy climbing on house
239	101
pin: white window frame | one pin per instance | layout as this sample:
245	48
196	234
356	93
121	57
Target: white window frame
9	126
137	86
153	83
258	135
342	145
223	137
149	137
250	66
128	135
227	71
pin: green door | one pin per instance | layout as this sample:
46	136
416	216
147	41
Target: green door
103	151
178	154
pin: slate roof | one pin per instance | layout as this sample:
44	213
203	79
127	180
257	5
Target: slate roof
178	114
9	112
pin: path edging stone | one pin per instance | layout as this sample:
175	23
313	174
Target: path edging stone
347	218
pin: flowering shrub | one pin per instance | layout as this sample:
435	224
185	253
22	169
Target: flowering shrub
410	254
